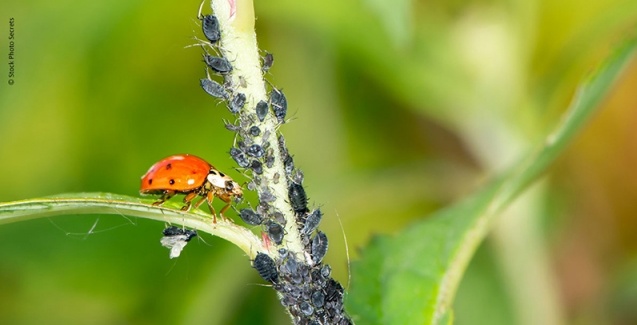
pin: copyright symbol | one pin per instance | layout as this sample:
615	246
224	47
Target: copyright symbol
11	82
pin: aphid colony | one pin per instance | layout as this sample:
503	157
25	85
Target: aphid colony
306	288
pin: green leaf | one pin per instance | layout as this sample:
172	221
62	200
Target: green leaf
411	278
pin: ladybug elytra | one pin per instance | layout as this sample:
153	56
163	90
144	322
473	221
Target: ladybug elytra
193	176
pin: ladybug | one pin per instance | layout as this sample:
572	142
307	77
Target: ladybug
193	176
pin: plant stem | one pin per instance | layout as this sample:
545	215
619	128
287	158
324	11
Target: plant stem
104	203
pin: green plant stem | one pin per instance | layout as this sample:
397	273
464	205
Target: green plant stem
100	203
239	45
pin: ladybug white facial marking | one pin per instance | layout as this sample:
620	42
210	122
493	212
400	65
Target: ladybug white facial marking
216	180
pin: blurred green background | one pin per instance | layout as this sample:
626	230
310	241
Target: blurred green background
397	108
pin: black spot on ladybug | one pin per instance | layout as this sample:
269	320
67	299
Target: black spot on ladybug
169	166
171	181
214	172
222	174
150	181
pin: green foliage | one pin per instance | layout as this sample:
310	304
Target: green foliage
412	277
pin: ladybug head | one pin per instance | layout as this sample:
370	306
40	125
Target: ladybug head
234	188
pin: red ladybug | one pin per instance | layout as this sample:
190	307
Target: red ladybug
190	175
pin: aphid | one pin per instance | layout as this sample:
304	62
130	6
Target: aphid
254	130
326	270
306	308
288	164
298	199
240	157
297	176
213	88
250	217
275	232
268	61
262	110
290	266
255	150
276	176
269	158
319	247
177	231
333	291
279	104
176	238
193	176
282	147
231	127
257	167
312	221
266	196
237	102
318	299
219	65
266	267
210	27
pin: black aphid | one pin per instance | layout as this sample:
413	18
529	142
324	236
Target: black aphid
319	247
255	150
279	104
213	88
266	267
176	238
257	167
177	231
210	27
262	110
288	163
318	299
219	65
237	102
266	195
240	157
254	130
312	221
268	61
250	217
275	232
269	159
297	197
282	147
306	308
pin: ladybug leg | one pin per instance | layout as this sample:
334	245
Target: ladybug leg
209	197
165	197
225	208
188	200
